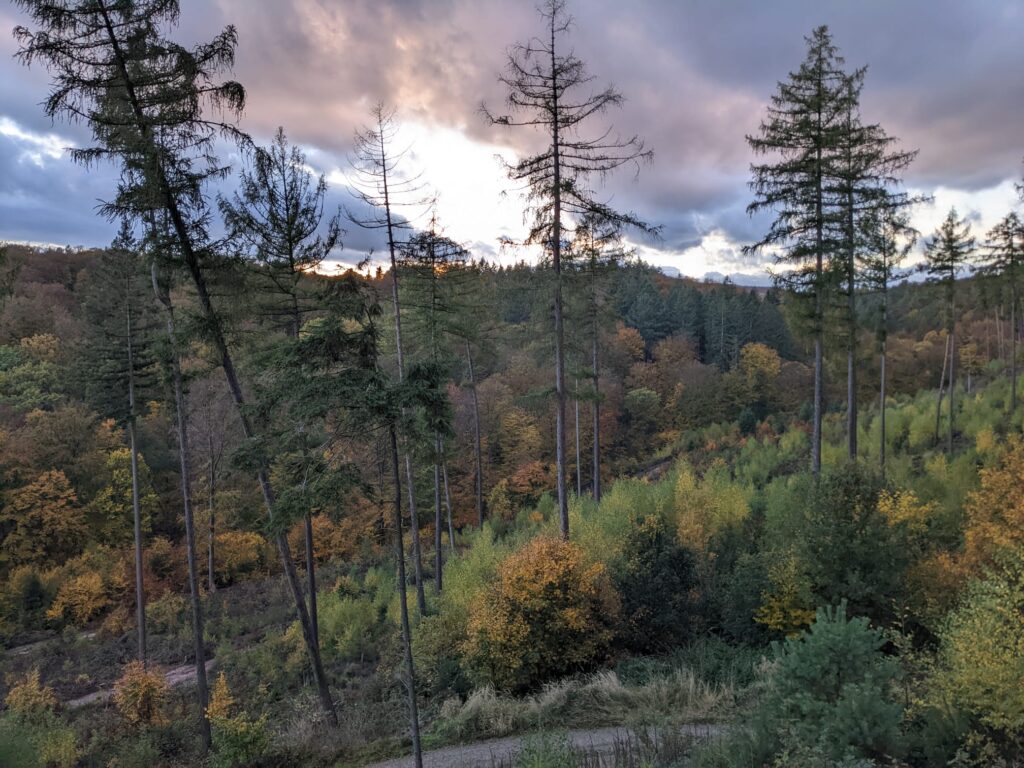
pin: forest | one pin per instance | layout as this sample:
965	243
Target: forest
258	511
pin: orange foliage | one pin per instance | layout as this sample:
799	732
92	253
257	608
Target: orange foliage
549	613
995	512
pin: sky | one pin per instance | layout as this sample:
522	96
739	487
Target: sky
944	76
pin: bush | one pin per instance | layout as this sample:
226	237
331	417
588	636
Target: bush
549	614
981	656
167	614
239	554
80	599
140	694
654	576
29	700
831	694
237	738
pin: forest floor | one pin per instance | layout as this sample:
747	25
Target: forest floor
600	743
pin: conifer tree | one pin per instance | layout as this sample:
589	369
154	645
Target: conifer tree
391	199
546	84
597	251
147	102
888	239
799	138
947	257
434	288
119	351
277	216
868	170
1005	263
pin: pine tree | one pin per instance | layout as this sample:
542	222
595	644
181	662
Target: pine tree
800	137
888	239
1005	264
868	169
120	366
276	217
435	296
947	256
391	199
545	90
596	253
147	102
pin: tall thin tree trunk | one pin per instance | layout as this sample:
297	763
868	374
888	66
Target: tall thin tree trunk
477	442
410	670
597	419
184	464
438	522
1013	356
942	382
952	378
556	260
191	259
421	600
881	411
311	577
579	464
211	501
140	588
448	505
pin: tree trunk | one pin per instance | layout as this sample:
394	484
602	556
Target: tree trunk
438	522
942	381
579	464
952	380
184	463
311	578
191	260
477	442
881	411
410	670
448	503
556	260
1013	353
211	500
140	589
597	421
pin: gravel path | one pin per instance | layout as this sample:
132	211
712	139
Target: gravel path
494	752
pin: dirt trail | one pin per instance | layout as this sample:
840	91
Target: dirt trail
175	676
485	754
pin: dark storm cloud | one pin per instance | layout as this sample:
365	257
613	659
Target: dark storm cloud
944	76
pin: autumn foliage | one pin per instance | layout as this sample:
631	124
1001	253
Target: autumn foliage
548	614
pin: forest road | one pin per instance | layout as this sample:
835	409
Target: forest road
500	753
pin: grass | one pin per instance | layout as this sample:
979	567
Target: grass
602	699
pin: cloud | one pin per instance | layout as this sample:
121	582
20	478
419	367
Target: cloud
696	77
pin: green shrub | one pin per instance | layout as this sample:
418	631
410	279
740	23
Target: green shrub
831	693
655	577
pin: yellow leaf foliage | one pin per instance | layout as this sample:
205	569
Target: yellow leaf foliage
549	613
706	507
80	599
995	512
140	694
787	607
904	508
30	699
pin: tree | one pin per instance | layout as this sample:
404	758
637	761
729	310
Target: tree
379	184
545	90
596	254
435	294
41	522
276	216
889	239
1005	263
804	125
146	101
868	169
120	365
947	255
